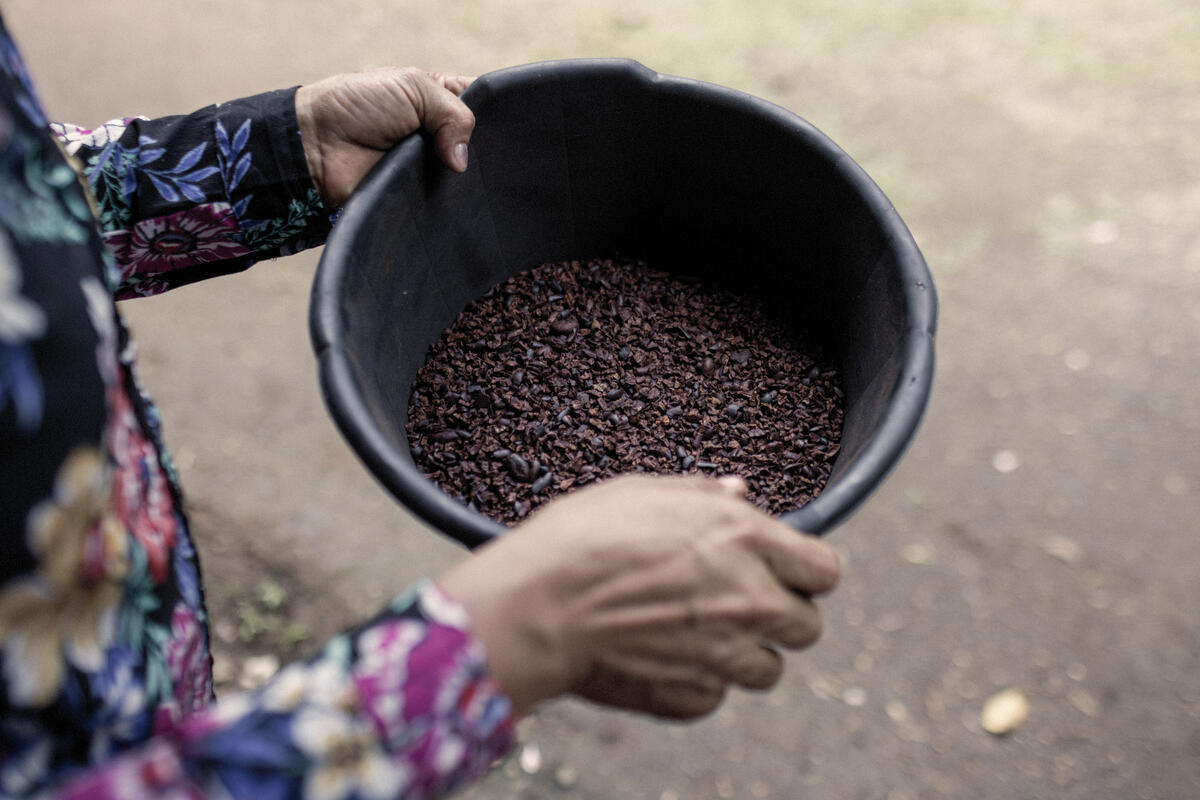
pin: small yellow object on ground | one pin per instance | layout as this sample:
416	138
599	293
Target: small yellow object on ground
1004	712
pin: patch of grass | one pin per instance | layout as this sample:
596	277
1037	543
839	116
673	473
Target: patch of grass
262	620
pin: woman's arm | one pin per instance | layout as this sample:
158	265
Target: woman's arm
401	707
183	198
653	594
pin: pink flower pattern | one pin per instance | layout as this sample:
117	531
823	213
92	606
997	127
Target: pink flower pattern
203	233
141	493
188	661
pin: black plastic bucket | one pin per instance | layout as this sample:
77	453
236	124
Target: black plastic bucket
583	158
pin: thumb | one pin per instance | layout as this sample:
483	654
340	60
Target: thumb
733	485
449	120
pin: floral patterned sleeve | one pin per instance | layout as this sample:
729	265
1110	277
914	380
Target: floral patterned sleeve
183	198
399	708
105	665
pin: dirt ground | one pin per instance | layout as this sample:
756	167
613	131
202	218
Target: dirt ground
1040	534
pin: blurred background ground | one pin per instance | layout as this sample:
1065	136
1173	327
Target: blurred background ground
1041	533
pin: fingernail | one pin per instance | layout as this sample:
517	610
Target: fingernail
733	484
460	156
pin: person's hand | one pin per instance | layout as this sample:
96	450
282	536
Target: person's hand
349	121
648	593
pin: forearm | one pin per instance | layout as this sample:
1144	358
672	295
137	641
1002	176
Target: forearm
183	198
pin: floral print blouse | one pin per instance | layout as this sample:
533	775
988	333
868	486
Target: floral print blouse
105	672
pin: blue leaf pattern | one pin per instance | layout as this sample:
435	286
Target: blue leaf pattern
241	137
164	188
21	385
197	175
178	182
240	169
191	191
191	158
129	183
186	574
222	141
233	163
239	208
149	156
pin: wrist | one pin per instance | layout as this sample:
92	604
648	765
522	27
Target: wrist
310	137
521	631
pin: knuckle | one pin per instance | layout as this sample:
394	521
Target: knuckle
415	74
781	607
810	632
828	571
816	565
729	659
800	629
770	672
740	526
